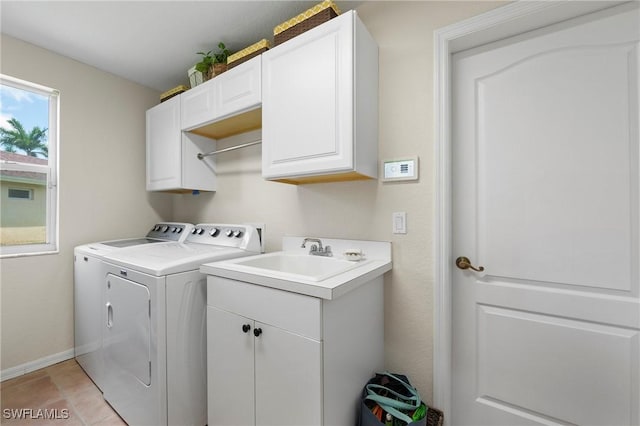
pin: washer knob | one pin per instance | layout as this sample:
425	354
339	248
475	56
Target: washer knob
194	230
237	233
199	231
174	229
179	229
214	232
229	233
165	228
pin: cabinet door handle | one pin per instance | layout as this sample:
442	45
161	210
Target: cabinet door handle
246	328
257	332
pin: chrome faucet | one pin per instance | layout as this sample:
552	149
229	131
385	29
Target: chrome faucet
317	250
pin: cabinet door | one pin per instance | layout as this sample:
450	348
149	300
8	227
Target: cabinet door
307	108
198	105
288	378
163	146
239	89
230	369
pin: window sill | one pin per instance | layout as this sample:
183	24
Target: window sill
7	252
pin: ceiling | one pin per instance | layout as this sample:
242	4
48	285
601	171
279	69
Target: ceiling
152	43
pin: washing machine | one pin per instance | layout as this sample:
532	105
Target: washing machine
154	337
89	291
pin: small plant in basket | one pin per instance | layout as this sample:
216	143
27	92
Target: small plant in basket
213	64
220	59
221	56
205	64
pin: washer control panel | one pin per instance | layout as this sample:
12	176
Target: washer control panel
240	236
171	231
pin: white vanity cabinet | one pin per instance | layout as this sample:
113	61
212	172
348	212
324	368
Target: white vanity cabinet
320	105
276	357
172	162
275	366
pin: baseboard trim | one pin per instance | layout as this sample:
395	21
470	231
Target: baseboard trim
34	365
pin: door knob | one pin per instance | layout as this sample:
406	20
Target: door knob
464	263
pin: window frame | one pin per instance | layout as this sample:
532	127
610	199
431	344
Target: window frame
51	244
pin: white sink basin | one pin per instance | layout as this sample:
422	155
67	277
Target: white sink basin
295	266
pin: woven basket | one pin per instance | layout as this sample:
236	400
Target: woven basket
246	58
173	92
435	417
327	13
247	53
216	69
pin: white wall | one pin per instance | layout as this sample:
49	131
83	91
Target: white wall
102	194
362	210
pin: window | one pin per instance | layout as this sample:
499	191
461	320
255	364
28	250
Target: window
24	194
28	168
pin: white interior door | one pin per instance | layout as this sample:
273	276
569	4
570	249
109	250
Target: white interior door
546	199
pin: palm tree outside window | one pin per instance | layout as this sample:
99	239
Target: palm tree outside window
32	143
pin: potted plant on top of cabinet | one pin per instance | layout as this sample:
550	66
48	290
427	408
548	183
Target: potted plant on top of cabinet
205	64
213	64
220	60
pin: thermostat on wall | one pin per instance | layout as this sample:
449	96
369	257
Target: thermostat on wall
406	169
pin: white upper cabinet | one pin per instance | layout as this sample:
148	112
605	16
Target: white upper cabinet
172	162
239	89
315	97
227	104
320	105
198	104
163	145
190	123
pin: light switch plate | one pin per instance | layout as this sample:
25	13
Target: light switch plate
399	222
403	169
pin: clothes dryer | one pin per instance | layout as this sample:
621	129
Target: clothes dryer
155	330
89	291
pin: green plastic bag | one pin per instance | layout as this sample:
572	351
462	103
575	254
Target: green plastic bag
394	395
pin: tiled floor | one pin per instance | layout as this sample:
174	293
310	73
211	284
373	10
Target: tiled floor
61	394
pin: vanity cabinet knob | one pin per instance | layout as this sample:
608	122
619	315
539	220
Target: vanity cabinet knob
257	332
246	328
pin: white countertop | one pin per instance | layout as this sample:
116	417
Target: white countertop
377	256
